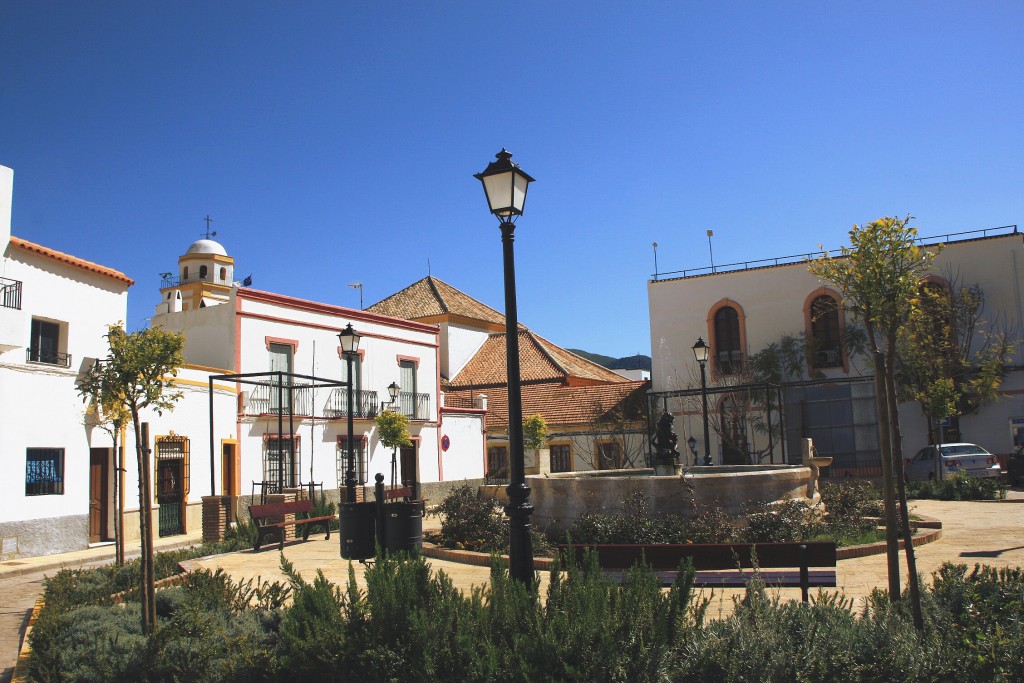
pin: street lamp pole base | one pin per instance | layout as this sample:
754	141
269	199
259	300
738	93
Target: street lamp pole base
520	558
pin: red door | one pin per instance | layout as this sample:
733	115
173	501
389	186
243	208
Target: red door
98	473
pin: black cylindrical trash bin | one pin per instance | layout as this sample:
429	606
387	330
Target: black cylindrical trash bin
358	530
403	526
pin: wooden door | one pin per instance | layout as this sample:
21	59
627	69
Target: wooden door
409	470
99	463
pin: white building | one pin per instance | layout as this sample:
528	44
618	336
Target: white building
54	312
742	309
292	438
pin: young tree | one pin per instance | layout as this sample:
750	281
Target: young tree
878	275
137	375
393	433
950	360
535	432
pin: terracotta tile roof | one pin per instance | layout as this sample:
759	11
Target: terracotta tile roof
565	406
539	361
431	297
70	260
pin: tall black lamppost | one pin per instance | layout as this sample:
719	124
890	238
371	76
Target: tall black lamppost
701	351
505	186
349	339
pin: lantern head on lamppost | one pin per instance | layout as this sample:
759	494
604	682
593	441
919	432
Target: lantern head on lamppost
393	390
349	340
505	185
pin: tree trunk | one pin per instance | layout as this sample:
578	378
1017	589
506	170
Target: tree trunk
118	536
901	487
150	573
892	545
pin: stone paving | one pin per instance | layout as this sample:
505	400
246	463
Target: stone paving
973	532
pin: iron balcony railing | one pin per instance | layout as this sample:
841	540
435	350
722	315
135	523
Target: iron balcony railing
827	358
337	403
171	281
10	293
414	406
62	360
269	399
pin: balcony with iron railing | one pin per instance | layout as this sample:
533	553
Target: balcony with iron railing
270	398
414	406
172	281
10	293
828	358
337	403
44	357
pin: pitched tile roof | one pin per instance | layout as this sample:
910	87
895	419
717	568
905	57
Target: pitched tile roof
539	361
70	260
429	298
565	406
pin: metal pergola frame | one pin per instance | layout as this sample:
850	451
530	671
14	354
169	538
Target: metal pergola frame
654	397
250	378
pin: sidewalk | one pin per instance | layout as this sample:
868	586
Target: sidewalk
87	556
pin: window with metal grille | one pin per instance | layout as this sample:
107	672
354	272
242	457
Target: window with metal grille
560	458
359	451
172	476
281	462
44	471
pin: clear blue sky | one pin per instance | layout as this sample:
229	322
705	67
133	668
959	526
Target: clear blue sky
335	142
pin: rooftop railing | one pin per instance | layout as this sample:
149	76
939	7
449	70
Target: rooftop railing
798	258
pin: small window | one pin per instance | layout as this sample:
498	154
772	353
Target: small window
609	456
561	461
184	273
203	270
44	345
223	274
359	452
280	463
497	463
44	472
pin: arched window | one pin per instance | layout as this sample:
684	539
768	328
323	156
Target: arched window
825	333
184	274
202	272
727	345
223	273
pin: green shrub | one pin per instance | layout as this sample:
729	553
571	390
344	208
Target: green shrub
472	522
786	520
958	486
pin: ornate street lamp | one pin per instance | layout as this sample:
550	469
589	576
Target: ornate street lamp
701	352
349	339
505	185
692	443
393	393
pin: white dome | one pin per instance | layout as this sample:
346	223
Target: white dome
206	247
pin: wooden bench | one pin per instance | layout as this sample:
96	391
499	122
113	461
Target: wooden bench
261	513
722	565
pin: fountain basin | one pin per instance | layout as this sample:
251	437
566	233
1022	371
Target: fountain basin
559	499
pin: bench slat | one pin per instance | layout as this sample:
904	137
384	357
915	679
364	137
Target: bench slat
278	509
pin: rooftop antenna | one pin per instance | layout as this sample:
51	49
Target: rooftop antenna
711	233
428	267
655	245
209	234
359	286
